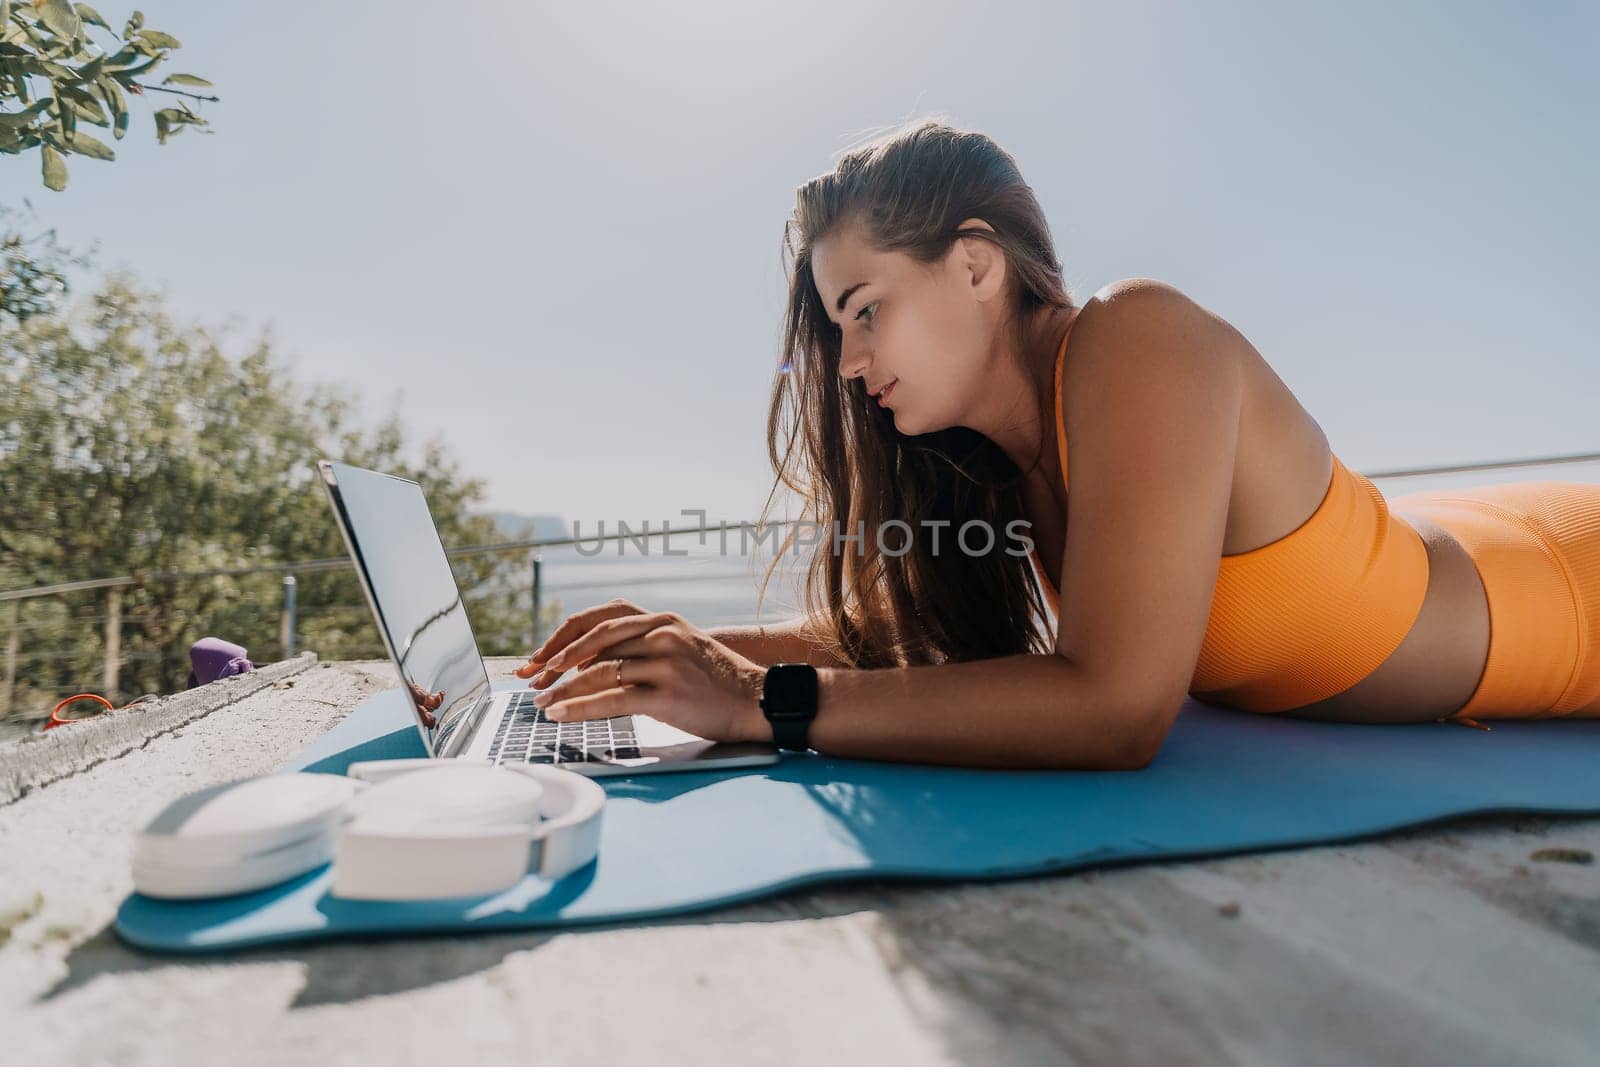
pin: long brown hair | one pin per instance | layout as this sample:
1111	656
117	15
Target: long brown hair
907	191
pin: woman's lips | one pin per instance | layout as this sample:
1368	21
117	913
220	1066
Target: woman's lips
883	394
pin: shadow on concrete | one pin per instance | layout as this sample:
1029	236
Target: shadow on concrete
357	967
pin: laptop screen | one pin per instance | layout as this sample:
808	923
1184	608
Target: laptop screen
413	594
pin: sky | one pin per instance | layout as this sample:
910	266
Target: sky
550	233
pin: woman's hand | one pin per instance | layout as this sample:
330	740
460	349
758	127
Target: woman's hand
426	704
670	670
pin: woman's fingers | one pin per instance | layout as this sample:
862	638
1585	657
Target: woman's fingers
609	703
548	675
579	623
573	627
600	678
603	635
657	642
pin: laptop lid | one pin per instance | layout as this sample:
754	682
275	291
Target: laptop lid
414	598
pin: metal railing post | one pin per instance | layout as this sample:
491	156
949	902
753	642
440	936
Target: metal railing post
13	639
108	683
538	596
286	630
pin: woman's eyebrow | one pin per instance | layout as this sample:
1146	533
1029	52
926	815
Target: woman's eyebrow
845	296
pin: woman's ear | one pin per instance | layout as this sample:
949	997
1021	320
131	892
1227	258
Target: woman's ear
981	261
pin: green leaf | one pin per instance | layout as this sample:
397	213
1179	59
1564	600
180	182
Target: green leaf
32	33
18	119
135	20
85	145
81	94
157	39
90	70
59	18
55	169
92	17
126	76
187	79
118	103
90	112
170	121
68	118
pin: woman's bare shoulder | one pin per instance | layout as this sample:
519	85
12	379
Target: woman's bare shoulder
1140	310
1144	297
1282	463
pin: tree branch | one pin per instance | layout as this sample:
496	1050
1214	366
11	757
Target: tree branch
141	87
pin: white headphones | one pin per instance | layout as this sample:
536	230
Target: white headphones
413	829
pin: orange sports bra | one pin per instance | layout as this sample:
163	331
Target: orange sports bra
1312	613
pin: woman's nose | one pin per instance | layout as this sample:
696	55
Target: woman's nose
853	365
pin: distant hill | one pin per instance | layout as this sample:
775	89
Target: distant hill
515	527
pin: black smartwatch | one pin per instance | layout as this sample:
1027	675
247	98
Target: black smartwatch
789	701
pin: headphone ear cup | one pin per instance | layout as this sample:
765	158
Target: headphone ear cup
448	794
568	837
451	829
242	835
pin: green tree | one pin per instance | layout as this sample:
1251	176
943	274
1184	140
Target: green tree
131	444
33	265
56	77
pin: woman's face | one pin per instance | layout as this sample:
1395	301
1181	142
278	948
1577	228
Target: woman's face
922	336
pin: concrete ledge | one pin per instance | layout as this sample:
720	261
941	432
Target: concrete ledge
40	759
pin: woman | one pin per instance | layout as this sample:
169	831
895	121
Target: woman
1211	544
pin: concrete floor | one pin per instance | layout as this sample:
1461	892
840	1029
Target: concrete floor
1453	945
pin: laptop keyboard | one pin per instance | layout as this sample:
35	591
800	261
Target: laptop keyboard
526	736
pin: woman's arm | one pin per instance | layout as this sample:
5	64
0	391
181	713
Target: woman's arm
793	641
1022	711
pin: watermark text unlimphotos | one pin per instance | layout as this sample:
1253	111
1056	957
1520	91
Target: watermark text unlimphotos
892	537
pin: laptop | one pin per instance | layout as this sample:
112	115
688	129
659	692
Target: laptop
418	607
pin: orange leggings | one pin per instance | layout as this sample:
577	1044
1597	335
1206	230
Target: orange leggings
1537	549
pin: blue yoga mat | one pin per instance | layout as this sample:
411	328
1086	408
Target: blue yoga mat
1225	781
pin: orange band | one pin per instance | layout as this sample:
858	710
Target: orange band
1316	611
1537	549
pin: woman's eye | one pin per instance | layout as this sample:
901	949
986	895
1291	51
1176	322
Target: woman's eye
870	307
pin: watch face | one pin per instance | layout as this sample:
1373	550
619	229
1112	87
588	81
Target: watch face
790	691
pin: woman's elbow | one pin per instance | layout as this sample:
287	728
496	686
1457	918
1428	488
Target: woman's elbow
1138	740
1129	757
1139	753
1149	723
1125	734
